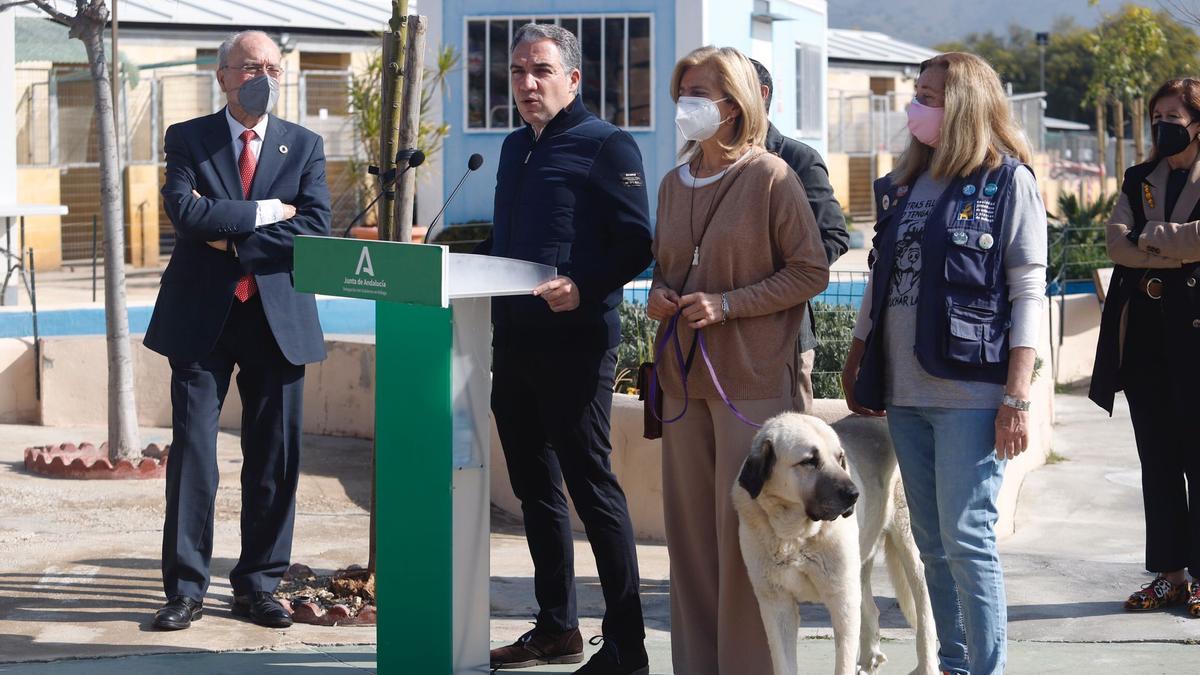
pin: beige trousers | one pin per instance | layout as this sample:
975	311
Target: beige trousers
802	387
715	623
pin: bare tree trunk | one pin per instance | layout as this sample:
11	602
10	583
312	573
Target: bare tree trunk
389	119
1119	132
124	440
410	120
1139	130
1100	143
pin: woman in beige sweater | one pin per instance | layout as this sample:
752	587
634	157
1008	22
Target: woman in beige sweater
739	255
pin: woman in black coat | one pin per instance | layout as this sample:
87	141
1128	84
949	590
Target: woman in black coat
1150	341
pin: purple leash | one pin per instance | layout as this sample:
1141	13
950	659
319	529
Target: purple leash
672	332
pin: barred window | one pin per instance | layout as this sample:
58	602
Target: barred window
617	81
809	90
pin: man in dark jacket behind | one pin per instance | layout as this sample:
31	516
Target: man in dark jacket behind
814	176
570	192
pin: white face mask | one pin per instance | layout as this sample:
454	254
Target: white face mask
698	118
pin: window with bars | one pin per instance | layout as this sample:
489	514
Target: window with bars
616	84
809	90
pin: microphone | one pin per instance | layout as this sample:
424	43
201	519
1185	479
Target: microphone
475	161
410	158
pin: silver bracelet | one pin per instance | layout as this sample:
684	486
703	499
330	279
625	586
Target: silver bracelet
724	307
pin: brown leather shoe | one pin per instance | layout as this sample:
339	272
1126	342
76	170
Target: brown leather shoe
539	648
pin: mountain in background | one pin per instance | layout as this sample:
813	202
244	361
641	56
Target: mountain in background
931	22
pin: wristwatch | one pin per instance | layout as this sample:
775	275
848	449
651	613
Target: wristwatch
724	307
1016	403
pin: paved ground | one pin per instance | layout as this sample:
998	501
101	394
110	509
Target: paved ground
79	578
79	573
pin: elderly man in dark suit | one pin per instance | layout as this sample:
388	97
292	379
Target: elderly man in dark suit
814	176
240	185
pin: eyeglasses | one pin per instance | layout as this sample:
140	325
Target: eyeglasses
256	68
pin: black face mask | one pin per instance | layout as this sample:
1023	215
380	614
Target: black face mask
1170	138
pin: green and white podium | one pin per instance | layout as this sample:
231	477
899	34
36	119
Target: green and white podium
432	397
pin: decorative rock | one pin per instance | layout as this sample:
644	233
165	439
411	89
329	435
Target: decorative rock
307	612
298	571
338	614
366	615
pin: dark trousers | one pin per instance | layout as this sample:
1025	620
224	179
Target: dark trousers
1163	401
553	416
272	399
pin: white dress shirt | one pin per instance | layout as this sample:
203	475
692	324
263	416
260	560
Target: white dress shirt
269	210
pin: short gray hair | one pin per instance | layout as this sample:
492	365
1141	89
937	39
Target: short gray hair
565	40
227	45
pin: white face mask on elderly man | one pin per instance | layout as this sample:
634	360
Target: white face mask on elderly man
698	118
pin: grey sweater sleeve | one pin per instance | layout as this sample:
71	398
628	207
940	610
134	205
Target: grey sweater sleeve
1025	252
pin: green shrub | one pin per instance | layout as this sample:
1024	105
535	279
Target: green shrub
834	325
637	345
1077	237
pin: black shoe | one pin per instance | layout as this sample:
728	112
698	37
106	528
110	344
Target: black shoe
178	613
261	608
611	660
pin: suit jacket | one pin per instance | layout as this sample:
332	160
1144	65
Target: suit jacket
1168	248
814	176
197	286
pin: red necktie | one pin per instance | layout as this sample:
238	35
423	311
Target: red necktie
246	286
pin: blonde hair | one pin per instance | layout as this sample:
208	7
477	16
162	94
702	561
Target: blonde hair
977	130
739	83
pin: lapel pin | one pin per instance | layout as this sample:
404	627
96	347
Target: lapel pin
986	241
283	149
990	189
959	237
968	189
1148	195
887	202
902	190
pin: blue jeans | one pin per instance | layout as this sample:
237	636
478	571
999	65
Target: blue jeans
951	476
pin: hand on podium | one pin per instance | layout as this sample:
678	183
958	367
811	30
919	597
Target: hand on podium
560	293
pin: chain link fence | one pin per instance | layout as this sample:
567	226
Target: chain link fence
56	128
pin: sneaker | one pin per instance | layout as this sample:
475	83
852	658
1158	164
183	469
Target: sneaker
613	661
1193	601
1156	595
540	647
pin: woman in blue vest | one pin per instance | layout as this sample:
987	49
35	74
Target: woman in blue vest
945	338
1150	340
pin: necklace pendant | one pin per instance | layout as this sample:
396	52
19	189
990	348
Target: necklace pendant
696	256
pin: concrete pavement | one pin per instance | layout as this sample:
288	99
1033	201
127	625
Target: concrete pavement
79	579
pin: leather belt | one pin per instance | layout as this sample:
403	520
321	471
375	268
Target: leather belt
1151	286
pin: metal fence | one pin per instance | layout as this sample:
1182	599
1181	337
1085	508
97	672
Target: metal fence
861	122
56	128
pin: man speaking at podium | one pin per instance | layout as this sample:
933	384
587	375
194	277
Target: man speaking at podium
570	192
240	185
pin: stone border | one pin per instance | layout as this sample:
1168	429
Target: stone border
87	462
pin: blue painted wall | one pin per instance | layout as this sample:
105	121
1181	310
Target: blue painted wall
657	146
728	23
807	27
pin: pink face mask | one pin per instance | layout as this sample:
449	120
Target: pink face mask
925	122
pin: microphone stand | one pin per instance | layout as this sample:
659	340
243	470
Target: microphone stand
386	188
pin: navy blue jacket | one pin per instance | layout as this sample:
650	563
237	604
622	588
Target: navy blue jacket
197	286
963	311
575	198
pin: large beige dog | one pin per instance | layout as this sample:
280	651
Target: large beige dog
794	497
